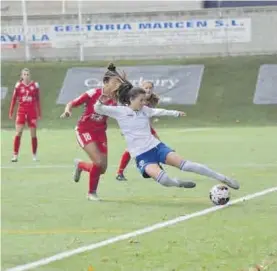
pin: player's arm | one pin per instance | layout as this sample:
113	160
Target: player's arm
38	101
84	98
107	110
13	101
159	112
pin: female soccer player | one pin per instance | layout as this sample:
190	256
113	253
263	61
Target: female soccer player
91	130
148	151
151	100
26	92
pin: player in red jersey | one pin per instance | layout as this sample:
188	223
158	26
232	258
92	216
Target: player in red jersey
151	100
26	93
91	129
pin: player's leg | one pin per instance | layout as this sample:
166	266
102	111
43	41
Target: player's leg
158	174
32	123
124	161
19	126
34	141
98	167
173	159
97	152
148	165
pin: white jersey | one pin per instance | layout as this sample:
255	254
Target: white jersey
135	125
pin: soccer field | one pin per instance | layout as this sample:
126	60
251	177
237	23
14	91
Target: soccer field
45	213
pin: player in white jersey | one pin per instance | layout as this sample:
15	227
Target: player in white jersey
148	151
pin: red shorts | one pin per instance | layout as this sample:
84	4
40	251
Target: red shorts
84	138
30	118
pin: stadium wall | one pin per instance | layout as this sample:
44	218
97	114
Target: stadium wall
214	32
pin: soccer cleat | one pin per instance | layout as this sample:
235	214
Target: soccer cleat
186	184
35	159
77	172
121	177
231	183
93	196
14	158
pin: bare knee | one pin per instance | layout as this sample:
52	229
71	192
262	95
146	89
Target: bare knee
33	132
103	169
103	165
19	130
19	134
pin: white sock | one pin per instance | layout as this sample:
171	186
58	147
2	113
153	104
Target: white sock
201	169
165	180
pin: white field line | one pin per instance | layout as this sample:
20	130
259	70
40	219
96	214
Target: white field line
142	231
225	165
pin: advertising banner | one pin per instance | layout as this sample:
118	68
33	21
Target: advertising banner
174	84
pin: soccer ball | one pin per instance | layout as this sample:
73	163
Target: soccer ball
220	194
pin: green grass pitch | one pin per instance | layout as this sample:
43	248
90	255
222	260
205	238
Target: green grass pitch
44	212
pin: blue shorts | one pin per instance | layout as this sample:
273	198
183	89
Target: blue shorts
156	155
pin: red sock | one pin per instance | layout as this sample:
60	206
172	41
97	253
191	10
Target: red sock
94	176
16	144
124	162
34	145
85	166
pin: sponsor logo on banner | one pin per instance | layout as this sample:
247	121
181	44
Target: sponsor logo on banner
161	32
197	31
174	84
37	36
266	87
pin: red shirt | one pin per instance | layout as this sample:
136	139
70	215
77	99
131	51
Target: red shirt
90	120
27	97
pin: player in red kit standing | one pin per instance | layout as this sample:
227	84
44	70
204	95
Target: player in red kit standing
26	93
91	130
151	100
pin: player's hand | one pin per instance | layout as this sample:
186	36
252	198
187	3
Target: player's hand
182	114
10	116
104	98
65	114
39	117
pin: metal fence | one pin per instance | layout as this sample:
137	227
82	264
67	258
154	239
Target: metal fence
86	36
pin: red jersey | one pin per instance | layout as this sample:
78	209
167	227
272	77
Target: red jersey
90	120
27	97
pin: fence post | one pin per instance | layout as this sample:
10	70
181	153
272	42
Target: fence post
81	43
25	30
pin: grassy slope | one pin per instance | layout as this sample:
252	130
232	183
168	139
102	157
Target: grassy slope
226	93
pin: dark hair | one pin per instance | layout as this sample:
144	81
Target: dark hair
122	93
111	72
133	94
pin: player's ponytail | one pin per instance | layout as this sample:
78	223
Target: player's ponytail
122	94
111	72
111	67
